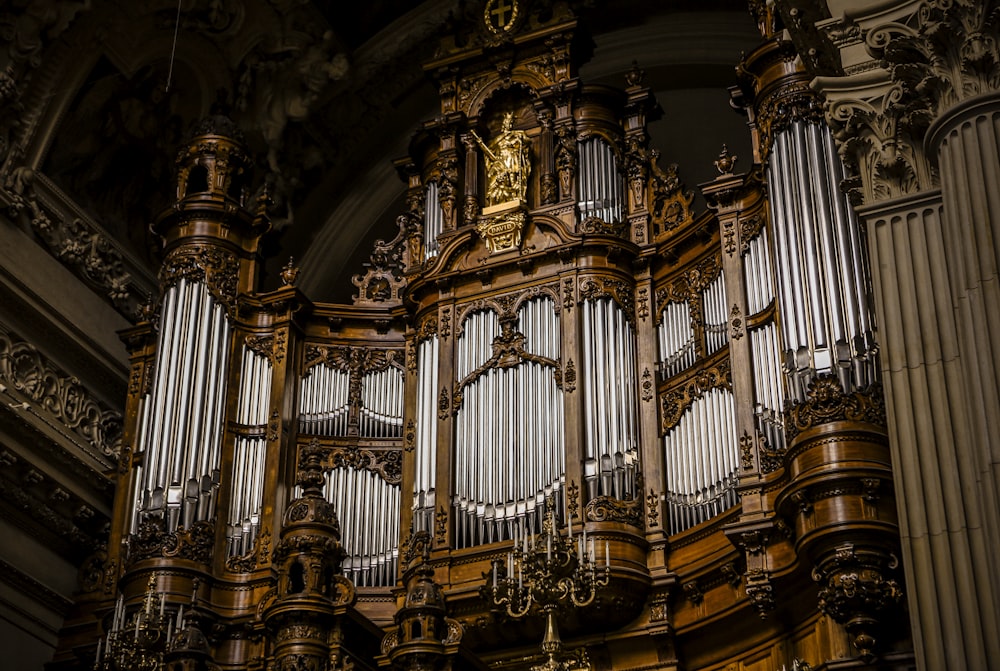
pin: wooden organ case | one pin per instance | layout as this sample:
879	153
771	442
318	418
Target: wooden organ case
554	333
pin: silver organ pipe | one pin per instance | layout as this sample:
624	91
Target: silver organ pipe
428	352
324	404
433	220
610	412
509	446
827	325
676	339
382	404
180	430
701	455
250	452
601	188
368	510
768	392
716	314
757	271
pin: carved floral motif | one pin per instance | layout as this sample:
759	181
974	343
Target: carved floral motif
677	400
53	393
610	509
827	402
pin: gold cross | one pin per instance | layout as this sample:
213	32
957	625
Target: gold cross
502	11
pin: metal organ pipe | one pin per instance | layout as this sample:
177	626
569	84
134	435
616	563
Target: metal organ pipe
676	339
250	452
508	455
433	221
368	511
819	262
609	388
382	404
324	402
701	456
601	189
180	424
428	352
716	314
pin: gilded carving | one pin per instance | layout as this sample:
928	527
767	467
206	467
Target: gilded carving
440	524
827	402
736	322
410	436
759	591
572	499
217	268
503	231
569	377
670	199
642	303
388	464
750	228
689	286
610	509
597	226
647	385
152	540
677	400
445	322
746	452
592	288
382	283
444	404
652	509
693	592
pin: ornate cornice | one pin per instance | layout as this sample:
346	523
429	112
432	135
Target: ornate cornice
59	397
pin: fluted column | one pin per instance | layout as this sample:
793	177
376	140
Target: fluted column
928	415
967	141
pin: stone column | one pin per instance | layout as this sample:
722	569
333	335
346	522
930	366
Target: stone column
967	142
928	414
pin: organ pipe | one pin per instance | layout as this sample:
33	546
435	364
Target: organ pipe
509	447
250	452
676	339
428	353
701	455
609	408
382	404
716	315
368	511
180	427
757	272
433	221
324	405
827	324
600	188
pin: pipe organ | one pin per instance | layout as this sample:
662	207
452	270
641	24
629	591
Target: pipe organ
827	322
180	431
509	443
324	408
425	473
609	397
553	344
249	451
600	184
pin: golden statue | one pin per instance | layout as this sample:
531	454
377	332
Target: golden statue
508	162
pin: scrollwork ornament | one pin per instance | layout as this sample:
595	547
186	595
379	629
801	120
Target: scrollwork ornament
652	509
610	509
827	402
217	268
676	401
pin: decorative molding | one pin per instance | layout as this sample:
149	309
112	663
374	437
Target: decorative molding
52	394
217	268
610	509
827	402
388	464
677	400
152	540
593	288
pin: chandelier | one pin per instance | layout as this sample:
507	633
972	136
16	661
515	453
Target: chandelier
138	642
544	574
